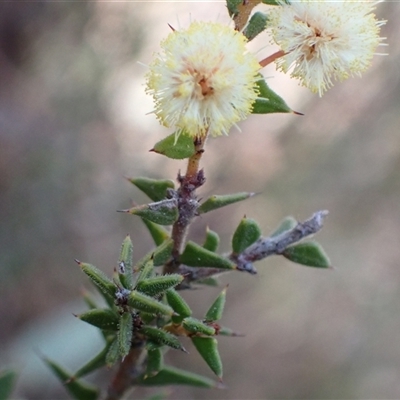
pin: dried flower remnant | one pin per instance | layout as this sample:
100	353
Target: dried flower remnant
325	40
204	80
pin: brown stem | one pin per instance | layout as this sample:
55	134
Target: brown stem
129	369
187	202
243	13
194	160
272	58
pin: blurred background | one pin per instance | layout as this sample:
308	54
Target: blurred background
73	124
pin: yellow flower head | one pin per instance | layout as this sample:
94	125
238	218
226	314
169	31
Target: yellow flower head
203	81
325	40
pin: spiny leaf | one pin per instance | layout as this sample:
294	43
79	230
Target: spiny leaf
162	337
159	284
102	318
96	362
212	240
176	146
106	286
160	255
157	232
197	256
174	376
196	326
286	224
255	26
208	349
155	361
141	302
164	212
113	353
125	334
247	232
146	271
216	310
155	189
218	201
232	6
179	305
268	101
77	389
125	268
309	253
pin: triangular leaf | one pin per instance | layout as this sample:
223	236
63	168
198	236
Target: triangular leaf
125	332
218	201
309	253
159	284
96	362
77	389
155	189
179	305
212	240
162	337
141	302
157	232
247	232
162	253
255	26
195	326
102	318
268	101
285	225
164	212
176	146
232	6
197	256
215	312
155	361
113	353
103	283
175	376
208	349
125	268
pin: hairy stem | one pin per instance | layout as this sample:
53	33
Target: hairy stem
187	203
262	248
267	246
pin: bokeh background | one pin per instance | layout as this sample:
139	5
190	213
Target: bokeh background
73	124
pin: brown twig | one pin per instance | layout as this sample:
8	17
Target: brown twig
271	58
187	202
262	248
267	246
129	369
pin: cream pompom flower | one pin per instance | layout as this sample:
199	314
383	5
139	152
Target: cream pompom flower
325	40
203	81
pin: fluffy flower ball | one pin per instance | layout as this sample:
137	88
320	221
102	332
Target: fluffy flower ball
325	40
203	81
